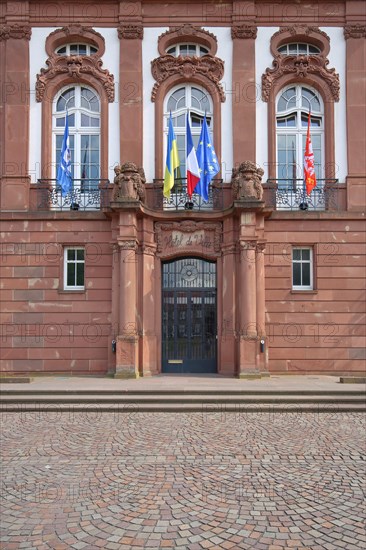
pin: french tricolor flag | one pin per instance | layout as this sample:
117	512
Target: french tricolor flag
193	171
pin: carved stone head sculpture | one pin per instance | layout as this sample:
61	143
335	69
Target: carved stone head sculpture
246	181
129	182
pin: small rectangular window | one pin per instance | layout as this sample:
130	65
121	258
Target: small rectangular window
302	268
74	268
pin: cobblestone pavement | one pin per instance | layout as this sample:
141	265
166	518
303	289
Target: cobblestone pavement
90	480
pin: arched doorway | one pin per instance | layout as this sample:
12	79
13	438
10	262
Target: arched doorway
189	316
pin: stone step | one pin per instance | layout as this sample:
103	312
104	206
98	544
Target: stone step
186	397
181	392
179	407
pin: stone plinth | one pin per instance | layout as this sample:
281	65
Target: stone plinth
127	357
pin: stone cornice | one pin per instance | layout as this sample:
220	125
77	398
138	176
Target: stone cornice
187	67
15	31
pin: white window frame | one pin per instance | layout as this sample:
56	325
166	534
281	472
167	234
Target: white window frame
181	130
300	131
302	262
177	48
78	44
77	131
298	45
75	262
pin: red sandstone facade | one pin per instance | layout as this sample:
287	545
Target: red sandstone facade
260	320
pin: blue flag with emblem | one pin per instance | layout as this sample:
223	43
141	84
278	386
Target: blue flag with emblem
64	177
207	162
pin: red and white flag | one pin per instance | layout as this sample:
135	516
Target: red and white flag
193	171
309	167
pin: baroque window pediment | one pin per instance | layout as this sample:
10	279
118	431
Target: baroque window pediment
301	67
187	68
74	67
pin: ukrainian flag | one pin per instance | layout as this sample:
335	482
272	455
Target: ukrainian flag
172	160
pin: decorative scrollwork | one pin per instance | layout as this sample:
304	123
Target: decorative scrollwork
74	66
167	65
131	32
301	66
15	31
354	31
244	31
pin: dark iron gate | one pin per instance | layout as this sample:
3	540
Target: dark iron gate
189	316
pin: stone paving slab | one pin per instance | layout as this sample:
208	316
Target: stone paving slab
190	481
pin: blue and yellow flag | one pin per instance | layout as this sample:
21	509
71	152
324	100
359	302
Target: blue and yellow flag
172	160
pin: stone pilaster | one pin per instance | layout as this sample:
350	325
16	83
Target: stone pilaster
14	121
243	33
248	338
127	340
355	36
130	33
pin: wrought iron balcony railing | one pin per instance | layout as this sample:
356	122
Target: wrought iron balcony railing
289	194
180	200
86	194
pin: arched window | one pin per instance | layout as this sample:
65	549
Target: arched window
298	48
76	49
82	105
187	50
293	104
197	102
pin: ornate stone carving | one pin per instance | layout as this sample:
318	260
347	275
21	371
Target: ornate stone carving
74	66
261	246
298	30
187	32
354	31
130	32
300	66
244	31
129	182
75	32
127	245
167	65
246	182
169	237
300	33
148	249
248	245
15	31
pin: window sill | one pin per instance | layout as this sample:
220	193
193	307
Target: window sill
71	291
303	291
